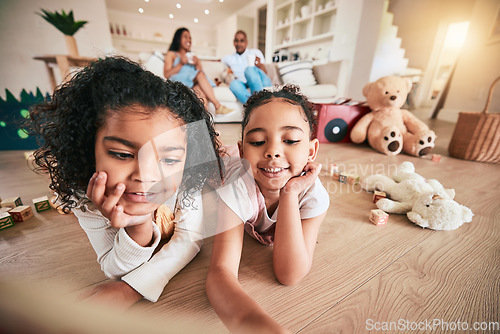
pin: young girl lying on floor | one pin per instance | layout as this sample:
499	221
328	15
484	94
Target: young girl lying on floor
281	203
142	142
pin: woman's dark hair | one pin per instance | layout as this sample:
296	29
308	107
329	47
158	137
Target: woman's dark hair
176	40
288	93
69	122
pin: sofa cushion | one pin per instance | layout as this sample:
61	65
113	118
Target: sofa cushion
319	91
297	72
224	94
155	64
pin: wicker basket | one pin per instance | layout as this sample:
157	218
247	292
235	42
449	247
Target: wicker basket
477	135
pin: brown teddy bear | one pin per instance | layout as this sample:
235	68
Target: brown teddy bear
388	128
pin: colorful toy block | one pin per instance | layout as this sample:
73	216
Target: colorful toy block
5	210
5	220
333	168
378	195
343	178
29	155
12	202
21	213
352	179
336	176
41	204
52	202
436	158
379	217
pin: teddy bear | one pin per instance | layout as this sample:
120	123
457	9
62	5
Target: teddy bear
425	201
437	213
388	128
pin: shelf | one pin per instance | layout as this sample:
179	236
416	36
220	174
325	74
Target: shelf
283	26
284	4
302	19
305	41
325	11
137	39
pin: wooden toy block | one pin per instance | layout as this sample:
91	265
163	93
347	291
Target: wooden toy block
333	168
12	202
436	158
343	178
55	206
52	202
5	210
336	175
29	155
41	204
352	179
379	217
378	195
6	220
21	213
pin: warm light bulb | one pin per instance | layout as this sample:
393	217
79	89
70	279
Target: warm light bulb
207	11
146	0
178	5
141	10
171	16
221	0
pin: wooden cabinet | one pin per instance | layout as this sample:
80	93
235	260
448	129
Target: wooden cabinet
303	22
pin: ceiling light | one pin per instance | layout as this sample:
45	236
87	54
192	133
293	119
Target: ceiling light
141	10
178	5
171	16
207	11
195	20
221	0
146	0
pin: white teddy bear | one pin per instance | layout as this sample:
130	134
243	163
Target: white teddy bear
438	213
425	202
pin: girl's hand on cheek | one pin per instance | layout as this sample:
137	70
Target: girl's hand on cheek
108	205
300	183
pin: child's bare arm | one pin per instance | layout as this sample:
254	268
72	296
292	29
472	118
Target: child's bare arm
237	310
168	68
295	239
113	293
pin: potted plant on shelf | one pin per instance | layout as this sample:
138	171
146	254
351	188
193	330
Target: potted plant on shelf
66	24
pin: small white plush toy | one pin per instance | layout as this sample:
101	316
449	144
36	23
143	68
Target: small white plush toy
409	193
438	213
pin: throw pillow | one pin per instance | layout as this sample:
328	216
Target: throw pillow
297	72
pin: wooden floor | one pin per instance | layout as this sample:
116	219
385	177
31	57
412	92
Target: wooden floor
393	278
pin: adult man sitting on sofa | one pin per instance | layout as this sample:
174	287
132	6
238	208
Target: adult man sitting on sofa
248	68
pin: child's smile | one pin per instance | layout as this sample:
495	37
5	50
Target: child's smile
276	143
146	154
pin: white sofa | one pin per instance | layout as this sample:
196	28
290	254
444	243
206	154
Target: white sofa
329	77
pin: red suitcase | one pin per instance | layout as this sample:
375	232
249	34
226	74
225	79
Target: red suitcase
336	120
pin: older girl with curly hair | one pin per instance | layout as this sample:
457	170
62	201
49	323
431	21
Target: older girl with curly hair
128	153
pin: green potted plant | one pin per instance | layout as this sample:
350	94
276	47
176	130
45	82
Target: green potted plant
66	24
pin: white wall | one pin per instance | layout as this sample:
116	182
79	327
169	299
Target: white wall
225	35
160	33
23	34
422	26
356	33
245	19
478	65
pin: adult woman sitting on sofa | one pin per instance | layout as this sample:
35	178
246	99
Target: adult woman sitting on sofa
181	65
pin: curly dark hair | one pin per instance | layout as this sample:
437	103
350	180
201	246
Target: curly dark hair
69	121
288	93
175	45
